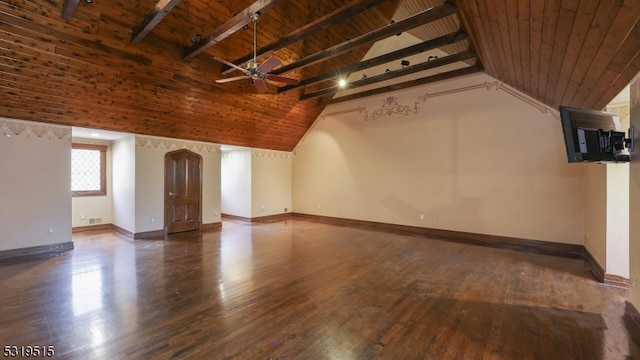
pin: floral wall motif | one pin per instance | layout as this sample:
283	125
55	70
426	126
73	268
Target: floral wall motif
172	144
391	107
10	127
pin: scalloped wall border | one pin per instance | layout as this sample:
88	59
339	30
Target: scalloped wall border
272	154
153	142
12	127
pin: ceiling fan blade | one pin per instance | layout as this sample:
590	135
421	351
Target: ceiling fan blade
222	81
232	65
269	64
261	85
282	79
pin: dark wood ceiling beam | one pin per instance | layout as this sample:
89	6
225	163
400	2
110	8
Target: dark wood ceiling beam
152	19
335	17
450	59
68	8
382	59
406	84
229	27
416	20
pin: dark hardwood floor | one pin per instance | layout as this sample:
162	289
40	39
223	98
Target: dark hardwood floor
297	289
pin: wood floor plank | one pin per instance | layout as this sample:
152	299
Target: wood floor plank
299	289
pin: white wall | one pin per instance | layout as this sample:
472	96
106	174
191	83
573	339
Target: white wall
606	209
595	211
35	174
236	182
256	182
149	180
634	198
617	259
84	208
617	253
270	182
149	187
470	154
211	177
124	183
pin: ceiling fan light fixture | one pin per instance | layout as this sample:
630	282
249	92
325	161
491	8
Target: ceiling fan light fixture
257	72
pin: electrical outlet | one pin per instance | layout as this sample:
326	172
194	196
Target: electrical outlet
421	216
50	230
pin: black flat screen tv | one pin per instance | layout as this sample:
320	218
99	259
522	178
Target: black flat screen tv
593	136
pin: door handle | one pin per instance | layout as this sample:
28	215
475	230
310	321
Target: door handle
172	194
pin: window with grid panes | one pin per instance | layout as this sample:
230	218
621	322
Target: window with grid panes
88	170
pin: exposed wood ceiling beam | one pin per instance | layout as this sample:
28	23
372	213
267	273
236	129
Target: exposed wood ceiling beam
231	26
406	84
382	59
69	8
421	18
394	74
450	59
337	16
152	19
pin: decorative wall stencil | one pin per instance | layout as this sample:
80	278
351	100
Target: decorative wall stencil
271	154
153	142
623	111
390	107
10	127
494	85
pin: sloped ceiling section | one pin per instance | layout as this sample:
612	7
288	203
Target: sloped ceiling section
148	66
578	53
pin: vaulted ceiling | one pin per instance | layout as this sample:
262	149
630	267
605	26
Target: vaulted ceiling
150	67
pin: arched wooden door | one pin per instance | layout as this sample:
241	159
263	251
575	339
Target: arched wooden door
183	191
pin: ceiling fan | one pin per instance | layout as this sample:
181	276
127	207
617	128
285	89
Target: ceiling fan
257	73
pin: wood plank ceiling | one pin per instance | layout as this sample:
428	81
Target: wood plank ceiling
148	67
